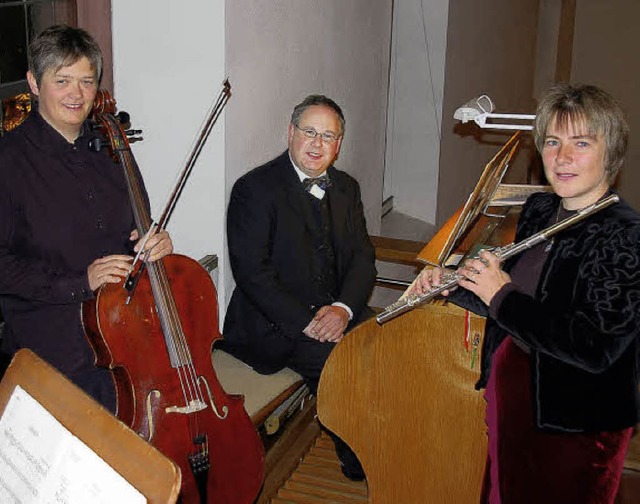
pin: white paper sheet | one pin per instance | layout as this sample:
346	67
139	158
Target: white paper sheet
42	462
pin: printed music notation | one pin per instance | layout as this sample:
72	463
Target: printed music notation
42	462
515	194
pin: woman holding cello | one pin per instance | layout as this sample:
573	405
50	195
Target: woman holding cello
69	218
66	225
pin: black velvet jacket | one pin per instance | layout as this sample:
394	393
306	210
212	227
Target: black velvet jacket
582	325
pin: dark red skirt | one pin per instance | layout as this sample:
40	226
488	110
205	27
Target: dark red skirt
526	465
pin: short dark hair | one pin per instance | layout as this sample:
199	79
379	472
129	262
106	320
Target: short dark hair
316	99
591	107
61	45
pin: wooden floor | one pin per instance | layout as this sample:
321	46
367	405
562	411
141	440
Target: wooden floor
319	480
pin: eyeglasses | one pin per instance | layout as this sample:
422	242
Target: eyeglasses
327	136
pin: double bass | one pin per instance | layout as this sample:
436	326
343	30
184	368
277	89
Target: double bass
156	337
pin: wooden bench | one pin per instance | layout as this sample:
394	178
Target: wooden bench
263	394
270	401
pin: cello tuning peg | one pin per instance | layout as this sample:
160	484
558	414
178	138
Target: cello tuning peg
123	117
96	144
132	135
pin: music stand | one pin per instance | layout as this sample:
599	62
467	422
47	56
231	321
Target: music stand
156	477
439	248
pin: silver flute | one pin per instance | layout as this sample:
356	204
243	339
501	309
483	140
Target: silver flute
450	278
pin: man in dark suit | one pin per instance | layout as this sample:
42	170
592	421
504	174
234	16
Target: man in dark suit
299	250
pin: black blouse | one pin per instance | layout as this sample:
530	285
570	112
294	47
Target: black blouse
61	207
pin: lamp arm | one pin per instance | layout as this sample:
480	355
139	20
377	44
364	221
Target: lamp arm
481	120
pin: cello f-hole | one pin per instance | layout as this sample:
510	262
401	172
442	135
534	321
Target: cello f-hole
154	394
225	410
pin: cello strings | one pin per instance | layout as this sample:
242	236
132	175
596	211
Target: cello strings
165	303
169	330
175	339
178	336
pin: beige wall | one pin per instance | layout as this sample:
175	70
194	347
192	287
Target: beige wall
491	49
415	106
168	68
279	51
605	53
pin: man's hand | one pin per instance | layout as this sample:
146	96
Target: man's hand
158	245
108	269
328	324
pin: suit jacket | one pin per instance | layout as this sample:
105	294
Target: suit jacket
582	325
271	248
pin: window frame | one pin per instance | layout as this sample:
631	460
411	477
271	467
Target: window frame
91	15
59	11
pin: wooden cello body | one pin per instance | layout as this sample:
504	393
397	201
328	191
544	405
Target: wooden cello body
128	339
157	341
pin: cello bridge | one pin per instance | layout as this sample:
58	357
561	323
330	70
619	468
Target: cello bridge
193	407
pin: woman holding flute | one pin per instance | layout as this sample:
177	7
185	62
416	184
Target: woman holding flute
559	358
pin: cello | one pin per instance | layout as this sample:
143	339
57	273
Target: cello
156	336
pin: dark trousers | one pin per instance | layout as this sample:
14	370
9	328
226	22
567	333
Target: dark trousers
309	355
308	358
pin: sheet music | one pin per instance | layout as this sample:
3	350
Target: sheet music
42	462
515	194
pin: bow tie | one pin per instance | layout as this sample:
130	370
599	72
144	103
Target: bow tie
322	182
